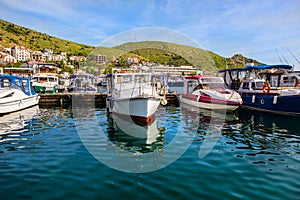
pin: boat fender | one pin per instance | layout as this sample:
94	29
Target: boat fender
66	98
163	101
266	88
199	96
253	98
275	100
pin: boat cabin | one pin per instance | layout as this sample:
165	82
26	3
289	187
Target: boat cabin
276	75
43	78
82	83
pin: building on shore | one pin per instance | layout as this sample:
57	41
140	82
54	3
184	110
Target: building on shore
21	53
7	58
173	71
100	58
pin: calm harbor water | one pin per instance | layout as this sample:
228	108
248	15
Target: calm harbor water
55	153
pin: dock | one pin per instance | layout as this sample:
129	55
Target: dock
65	99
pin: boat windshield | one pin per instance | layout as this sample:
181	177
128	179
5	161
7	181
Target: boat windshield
208	83
5	83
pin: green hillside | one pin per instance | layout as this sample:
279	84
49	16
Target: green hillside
153	51
199	58
11	34
161	56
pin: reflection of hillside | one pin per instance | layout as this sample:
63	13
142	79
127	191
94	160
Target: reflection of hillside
134	137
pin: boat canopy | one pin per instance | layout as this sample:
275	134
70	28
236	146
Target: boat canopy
258	67
17	82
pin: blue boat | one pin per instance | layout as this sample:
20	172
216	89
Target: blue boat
270	88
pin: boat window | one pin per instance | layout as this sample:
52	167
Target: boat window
51	79
213	83
25	86
259	85
289	81
1	83
253	86
245	85
6	83
43	79
191	85
198	87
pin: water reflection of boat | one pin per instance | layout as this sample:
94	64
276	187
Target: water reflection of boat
17	121
208	116
265	133
270	120
135	137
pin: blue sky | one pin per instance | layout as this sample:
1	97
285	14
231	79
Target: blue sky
263	30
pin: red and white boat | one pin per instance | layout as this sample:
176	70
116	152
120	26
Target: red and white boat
132	95
209	92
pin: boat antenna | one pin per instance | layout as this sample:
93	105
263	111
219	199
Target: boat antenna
278	56
294	56
285	59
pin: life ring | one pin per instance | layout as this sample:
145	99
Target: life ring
297	83
266	88
163	101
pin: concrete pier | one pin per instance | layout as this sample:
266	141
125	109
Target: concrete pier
65	99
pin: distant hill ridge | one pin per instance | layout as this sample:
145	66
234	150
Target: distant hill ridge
11	34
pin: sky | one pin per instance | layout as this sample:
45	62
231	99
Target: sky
268	31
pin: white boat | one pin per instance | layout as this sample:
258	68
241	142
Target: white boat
209	92
45	82
16	93
133	95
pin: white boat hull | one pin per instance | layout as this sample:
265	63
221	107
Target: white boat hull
12	105
209	106
141	109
